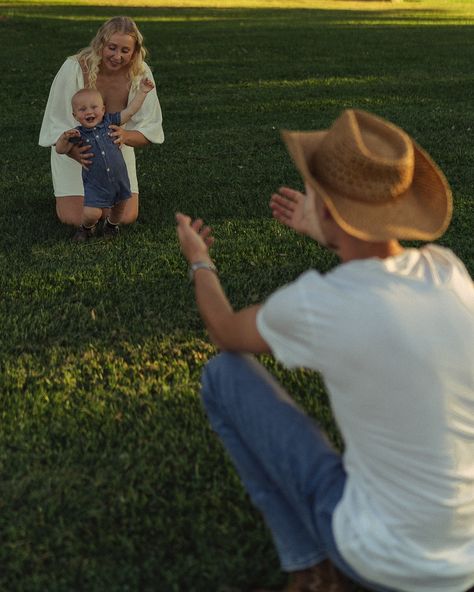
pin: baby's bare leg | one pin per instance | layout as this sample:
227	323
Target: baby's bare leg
90	216
116	213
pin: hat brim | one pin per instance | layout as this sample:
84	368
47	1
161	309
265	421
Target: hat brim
422	212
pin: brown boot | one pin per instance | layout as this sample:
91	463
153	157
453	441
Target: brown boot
323	577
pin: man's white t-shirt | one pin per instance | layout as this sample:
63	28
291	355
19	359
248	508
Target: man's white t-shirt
394	340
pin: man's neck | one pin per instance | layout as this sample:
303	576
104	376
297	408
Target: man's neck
351	248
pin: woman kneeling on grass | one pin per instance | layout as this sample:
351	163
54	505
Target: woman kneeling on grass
113	64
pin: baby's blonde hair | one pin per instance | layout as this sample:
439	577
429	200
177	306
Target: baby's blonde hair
84	91
91	56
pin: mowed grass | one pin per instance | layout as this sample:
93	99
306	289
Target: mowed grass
111	479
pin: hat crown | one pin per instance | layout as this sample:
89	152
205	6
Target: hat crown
365	158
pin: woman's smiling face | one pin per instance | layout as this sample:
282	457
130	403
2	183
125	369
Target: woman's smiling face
118	52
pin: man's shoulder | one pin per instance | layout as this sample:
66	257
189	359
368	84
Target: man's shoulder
442	255
311	288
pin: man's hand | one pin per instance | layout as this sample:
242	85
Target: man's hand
195	238
297	211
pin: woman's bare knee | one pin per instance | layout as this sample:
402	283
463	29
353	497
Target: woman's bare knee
130	212
69	209
69	219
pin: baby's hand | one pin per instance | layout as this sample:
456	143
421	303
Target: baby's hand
146	85
71	135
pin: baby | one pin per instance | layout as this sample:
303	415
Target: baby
106	181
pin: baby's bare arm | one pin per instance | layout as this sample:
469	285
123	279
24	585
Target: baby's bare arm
146	85
64	144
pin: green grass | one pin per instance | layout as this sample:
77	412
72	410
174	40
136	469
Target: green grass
111	479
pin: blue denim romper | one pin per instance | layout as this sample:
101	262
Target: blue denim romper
106	182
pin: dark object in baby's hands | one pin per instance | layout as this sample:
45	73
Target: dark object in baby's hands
75	140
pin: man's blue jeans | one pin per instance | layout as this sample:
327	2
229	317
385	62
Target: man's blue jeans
287	466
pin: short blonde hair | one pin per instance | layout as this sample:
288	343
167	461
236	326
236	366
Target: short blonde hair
91	56
85	91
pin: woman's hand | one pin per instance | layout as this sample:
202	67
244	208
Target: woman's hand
132	138
82	155
118	134
195	238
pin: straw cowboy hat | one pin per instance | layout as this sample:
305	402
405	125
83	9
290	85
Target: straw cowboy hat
375	180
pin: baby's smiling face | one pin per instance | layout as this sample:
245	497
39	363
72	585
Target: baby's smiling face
88	108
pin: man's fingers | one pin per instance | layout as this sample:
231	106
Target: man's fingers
182	219
281	216
291	194
205	232
281	202
197	224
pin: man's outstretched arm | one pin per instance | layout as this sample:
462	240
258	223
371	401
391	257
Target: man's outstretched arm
229	330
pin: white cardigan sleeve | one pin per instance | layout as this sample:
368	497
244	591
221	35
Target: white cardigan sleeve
148	120
58	113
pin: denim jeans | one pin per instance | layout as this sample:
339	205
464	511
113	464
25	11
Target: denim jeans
290	471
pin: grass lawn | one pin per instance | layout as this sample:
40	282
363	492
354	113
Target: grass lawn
111	479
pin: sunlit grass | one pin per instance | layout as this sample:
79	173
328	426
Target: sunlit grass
461	6
353	13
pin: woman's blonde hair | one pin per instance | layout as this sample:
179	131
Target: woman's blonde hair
91	56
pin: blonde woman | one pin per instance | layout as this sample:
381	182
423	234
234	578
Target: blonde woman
113	64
